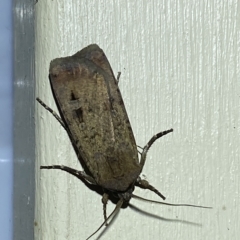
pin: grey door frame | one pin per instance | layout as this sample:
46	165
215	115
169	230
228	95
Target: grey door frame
23	123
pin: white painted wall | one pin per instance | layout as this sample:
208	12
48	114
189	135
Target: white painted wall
180	64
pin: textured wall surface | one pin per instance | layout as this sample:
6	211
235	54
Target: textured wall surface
180	64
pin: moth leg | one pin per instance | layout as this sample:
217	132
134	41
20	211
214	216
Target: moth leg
118	76
138	150
52	112
145	185
60	121
104	201
149	144
112	215
79	174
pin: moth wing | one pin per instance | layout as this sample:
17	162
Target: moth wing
90	104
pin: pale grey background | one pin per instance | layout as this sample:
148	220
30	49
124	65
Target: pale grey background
180	64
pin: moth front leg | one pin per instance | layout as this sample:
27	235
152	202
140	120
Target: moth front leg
52	112
79	174
145	185
104	201
61	122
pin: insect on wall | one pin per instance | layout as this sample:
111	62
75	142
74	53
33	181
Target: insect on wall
92	112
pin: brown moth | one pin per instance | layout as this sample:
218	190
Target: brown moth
93	114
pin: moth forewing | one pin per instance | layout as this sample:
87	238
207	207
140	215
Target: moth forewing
90	104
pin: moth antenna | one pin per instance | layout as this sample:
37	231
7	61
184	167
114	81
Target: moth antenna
114	212
149	144
169	204
139	146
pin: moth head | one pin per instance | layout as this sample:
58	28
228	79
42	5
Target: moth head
127	195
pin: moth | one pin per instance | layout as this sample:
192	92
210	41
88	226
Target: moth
92	112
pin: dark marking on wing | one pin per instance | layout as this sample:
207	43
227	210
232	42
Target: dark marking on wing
79	114
73	97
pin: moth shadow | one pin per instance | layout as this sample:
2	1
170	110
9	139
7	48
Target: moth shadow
111	222
136	209
99	190
114	199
